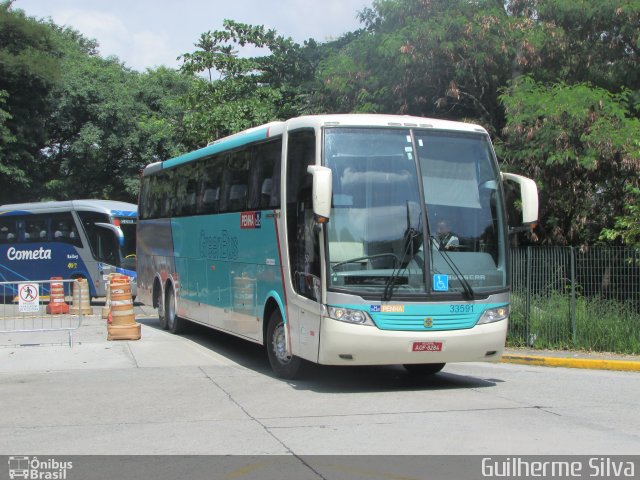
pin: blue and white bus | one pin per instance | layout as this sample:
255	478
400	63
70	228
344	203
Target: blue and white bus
71	239
319	238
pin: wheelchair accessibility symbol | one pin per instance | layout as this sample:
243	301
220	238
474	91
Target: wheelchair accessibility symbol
441	283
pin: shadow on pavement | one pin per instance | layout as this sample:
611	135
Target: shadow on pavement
324	378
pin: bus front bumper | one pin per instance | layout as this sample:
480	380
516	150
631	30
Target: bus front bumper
344	343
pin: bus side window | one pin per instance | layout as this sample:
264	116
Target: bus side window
8	231
210	200
189	207
265	193
237	198
148	197
210	173
265	165
36	228
164	192
64	230
235	181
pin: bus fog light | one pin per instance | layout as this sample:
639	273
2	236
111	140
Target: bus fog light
349	315
494	315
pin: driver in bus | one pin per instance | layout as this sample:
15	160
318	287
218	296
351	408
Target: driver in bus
445	238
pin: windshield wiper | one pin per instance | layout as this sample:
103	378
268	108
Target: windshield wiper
468	290
411	239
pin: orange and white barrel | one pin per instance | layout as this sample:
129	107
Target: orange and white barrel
122	325
57	304
81	299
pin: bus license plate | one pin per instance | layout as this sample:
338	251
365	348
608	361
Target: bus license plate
427	347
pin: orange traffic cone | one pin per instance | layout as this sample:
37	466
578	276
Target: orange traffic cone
57	305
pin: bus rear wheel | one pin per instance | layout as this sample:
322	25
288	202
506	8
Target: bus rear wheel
159	301
423	368
283	365
175	324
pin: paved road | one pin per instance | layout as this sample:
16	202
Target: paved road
209	393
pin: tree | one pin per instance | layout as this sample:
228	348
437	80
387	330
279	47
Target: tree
595	41
5	133
106	124
572	124
29	69
438	58
580	144
250	90
627	225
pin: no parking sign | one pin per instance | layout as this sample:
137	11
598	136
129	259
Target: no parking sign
29	297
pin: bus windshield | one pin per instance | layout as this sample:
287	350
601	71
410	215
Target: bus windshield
128	246
107	247
415	212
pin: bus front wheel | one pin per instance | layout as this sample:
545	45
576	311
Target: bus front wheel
424	368
283	365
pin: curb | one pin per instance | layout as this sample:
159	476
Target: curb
595	364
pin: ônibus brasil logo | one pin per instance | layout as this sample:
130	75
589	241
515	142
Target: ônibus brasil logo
36	469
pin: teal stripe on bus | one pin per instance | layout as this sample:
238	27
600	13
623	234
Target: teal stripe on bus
230	144
426	317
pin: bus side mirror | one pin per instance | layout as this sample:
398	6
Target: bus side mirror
115	230
528	196
322	189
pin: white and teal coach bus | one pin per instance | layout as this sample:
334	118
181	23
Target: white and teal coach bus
321	238
70	239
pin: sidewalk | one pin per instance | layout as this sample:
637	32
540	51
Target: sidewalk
39	352
572	359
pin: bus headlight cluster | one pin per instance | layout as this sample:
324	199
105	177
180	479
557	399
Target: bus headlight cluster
494	315
348	315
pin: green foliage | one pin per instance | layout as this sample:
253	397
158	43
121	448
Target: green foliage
250	91
601	325
108	123
438	58
29	68
579	143
223	107
5	133
73	124
627	225
596	41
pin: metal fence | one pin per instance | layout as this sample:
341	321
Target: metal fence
42	306
576	298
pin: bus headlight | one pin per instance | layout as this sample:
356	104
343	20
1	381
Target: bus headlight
348	315
494	315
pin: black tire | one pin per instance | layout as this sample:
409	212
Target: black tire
424	368
159	301
283	366
175	324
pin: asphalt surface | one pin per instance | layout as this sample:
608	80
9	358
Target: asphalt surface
206	392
